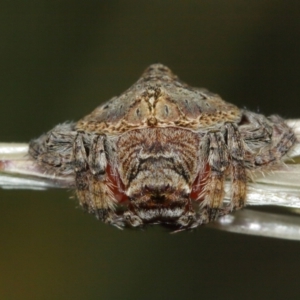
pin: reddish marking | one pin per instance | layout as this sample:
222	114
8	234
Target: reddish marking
116	185
199	184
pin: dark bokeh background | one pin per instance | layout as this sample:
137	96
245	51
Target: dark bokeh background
59	60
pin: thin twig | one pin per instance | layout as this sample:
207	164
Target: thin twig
19	171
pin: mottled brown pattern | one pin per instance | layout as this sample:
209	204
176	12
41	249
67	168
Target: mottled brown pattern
161	151
160	97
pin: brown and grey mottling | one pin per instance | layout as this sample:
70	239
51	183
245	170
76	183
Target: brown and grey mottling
161	151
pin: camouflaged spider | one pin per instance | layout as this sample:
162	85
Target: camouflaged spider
161	151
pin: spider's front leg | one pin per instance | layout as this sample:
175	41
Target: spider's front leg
221	156
267	140
215	146
255	129
92	183
53	150
238	170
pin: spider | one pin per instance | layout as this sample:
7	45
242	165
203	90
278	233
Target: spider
161	152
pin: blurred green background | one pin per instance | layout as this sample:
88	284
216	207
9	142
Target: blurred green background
61	59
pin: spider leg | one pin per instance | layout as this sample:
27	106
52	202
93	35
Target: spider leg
93	186
266	139
238	171
220	154
53	150
256	128
214	188
283	139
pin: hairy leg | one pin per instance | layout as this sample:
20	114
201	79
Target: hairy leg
238	171
53	150
214	189
283	139
268	148
255	129
93	186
